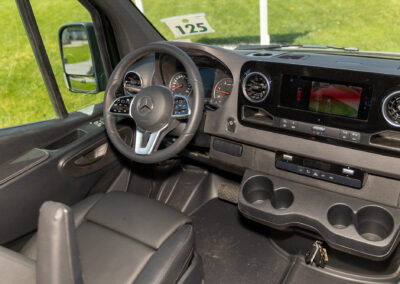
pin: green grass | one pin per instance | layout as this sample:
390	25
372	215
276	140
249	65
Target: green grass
76	54
367	24
23	95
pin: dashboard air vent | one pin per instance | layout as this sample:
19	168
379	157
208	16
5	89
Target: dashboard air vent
260	54
391	108
256	87
291	56
132	82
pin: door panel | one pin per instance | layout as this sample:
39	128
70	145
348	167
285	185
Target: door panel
60	160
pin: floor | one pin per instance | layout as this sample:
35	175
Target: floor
237	250
232	251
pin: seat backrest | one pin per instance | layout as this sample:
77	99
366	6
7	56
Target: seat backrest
16	268
57	250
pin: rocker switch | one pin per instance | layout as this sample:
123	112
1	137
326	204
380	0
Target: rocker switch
348	171
287	157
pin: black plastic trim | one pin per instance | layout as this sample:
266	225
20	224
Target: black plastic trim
368	229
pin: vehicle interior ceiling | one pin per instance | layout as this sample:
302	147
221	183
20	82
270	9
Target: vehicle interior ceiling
263	178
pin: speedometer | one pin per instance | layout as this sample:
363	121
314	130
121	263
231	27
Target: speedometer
180	84
222	90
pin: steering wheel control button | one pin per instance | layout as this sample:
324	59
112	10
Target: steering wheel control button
121	106
181	107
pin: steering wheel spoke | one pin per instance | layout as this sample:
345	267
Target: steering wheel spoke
146	142
121	106
181	107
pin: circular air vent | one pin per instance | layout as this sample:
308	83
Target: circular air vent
132	82
256	87
391	108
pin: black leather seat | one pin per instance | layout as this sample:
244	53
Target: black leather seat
125	238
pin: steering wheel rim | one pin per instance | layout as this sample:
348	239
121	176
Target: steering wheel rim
194	103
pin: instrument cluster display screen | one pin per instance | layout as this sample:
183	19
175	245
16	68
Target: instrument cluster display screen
325	97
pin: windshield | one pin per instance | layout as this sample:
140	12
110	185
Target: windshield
365	24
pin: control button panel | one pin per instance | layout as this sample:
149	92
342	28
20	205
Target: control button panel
320	130
181	107
121	105
320	170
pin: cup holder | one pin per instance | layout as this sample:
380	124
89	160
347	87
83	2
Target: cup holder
282	198
374	223
340	216
259	189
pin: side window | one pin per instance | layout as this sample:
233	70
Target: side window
50	16
23	94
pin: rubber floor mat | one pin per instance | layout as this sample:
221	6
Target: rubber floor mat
234	249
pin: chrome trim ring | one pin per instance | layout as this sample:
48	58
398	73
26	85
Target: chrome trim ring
384	109
140	78
244	87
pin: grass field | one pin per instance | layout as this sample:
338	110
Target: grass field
23	95
367	24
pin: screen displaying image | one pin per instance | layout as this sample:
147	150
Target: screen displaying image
335	99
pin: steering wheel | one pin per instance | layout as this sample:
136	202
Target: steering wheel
156	110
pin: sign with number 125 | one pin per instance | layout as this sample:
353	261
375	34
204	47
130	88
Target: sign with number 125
187	25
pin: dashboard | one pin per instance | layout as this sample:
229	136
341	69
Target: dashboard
341	112
323	129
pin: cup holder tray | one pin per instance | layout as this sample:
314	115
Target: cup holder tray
349	224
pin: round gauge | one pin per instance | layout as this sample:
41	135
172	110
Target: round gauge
180	84
222	90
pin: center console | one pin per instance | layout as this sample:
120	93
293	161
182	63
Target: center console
339	106
349	224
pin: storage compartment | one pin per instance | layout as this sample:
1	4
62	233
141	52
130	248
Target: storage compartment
386	139
259	189
348	224
65	140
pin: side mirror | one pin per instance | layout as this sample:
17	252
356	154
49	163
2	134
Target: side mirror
80	55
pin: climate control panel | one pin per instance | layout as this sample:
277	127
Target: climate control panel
330	172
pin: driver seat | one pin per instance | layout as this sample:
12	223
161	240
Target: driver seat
116	237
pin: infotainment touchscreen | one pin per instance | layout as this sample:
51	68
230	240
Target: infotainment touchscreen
322	96
335	98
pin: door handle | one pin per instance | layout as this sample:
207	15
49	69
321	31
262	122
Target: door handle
92	156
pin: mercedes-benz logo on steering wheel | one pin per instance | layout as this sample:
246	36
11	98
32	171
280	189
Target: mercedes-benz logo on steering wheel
145	105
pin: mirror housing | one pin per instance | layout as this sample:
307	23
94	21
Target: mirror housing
81	60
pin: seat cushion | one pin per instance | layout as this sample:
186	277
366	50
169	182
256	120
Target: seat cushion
125	238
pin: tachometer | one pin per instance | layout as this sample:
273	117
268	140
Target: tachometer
222	90
180	84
